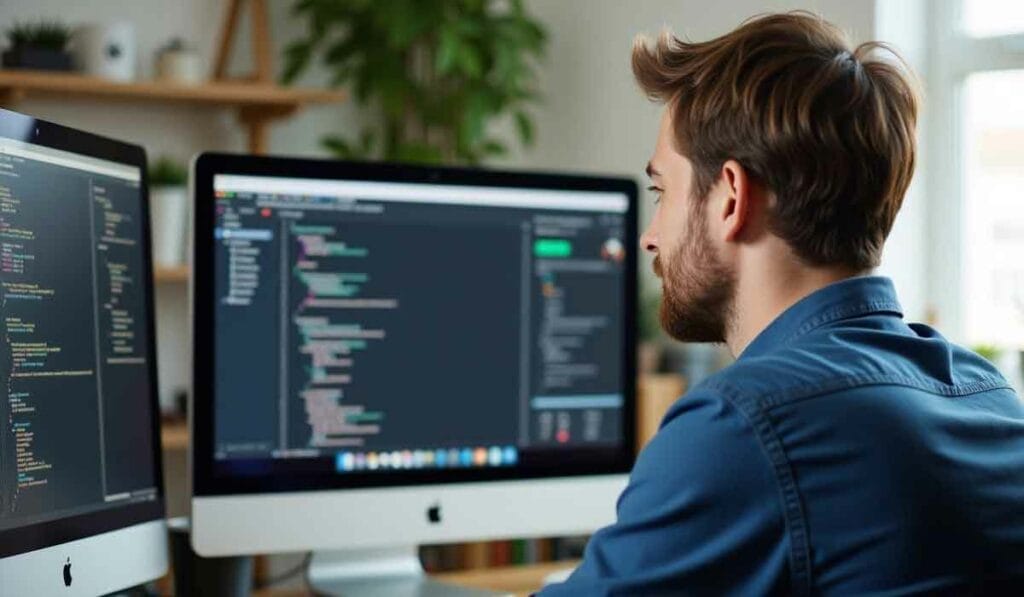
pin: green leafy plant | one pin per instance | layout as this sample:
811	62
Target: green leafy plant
47	35
649	319
437	72
167	172
987	351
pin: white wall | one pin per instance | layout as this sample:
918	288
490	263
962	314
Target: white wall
903	24
593	118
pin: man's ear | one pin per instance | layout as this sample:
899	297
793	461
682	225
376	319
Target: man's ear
736	205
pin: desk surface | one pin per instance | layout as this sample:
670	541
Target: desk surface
521	580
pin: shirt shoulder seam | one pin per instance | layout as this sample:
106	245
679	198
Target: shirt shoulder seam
755	410
842	312
796	393
790	500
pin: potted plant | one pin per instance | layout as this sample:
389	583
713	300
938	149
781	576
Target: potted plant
437	73
168	201
41	46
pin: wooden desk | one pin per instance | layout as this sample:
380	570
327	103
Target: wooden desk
521	580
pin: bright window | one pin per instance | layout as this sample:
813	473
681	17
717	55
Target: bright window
985	18
993	195
974	181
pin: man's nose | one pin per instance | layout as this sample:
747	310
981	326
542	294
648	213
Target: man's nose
649	241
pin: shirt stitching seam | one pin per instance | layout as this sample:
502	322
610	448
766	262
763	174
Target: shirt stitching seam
756	412
798	393
842	312
790	498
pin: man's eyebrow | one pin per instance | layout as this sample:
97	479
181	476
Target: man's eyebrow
651	172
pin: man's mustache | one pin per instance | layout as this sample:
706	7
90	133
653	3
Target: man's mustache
657	266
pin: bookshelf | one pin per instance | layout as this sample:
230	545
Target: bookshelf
174	435
171	275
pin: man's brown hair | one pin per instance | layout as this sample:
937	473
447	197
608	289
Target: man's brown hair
827	129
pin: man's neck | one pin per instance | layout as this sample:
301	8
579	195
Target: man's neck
764	292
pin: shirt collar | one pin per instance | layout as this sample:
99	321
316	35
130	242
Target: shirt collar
840	300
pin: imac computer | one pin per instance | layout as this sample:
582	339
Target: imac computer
81	497
390	355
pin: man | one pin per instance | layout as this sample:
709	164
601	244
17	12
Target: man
845	451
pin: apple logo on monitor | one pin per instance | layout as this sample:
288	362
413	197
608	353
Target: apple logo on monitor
434	513
67	573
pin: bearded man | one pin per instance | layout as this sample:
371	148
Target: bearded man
845	451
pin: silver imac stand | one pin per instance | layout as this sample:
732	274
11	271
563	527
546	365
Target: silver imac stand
393	572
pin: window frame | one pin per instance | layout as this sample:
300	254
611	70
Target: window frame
953	56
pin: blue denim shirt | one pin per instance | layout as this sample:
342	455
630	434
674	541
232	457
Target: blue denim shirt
844	452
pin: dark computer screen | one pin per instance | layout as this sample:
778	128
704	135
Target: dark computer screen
75	413
367	327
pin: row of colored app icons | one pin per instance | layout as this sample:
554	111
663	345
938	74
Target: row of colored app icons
421	459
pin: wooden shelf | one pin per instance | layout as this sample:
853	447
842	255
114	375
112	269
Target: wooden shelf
170	275
16	84
174	435
516	580
257	103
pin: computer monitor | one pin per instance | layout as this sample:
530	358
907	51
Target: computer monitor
392	355
81	496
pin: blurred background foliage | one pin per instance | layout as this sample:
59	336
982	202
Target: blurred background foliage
437	72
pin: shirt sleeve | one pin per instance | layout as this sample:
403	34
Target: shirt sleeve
701	514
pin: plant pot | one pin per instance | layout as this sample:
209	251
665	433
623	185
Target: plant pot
180	66
168	210
37	59
106	50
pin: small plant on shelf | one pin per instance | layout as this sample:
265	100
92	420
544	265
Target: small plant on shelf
988	351
168	202
167	172
41	45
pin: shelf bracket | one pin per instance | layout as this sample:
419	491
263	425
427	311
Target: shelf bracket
10	96
260	42
256	119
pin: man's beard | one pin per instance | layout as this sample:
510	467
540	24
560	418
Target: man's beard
698	289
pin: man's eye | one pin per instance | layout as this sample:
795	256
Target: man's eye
657	193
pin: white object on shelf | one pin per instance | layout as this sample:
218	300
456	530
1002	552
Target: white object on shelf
106	51
177	63
169	216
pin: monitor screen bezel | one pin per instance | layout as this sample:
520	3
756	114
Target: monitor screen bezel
22	539
205	481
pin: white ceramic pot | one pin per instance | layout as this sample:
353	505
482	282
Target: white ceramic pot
168	209
180	66
106	51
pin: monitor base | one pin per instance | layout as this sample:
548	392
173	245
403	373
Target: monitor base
394	572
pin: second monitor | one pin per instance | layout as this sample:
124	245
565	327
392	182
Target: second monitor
452	348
